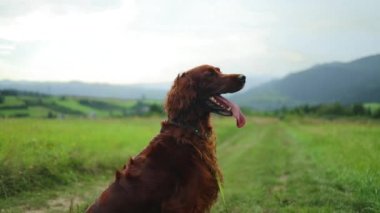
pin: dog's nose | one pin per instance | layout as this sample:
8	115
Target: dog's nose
241	78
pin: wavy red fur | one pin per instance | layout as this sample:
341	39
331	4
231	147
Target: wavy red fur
178	170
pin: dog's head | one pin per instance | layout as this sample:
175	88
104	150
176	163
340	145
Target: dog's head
200	89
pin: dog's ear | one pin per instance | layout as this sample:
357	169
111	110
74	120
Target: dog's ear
117	175
180	96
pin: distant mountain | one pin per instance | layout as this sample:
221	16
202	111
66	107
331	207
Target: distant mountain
74	88
130	91
357	81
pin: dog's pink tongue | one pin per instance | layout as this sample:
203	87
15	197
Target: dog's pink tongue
240	118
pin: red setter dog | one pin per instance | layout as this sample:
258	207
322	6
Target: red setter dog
177	171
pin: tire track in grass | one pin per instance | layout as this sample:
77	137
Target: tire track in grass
250	167
300	185
309	189
266	169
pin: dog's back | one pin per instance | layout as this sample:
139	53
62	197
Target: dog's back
170	175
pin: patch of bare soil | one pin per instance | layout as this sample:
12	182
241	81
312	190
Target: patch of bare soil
69	202
281	185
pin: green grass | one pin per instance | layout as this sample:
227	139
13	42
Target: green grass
37	154
372	106
74	104
296	165
122	103
34	111
302	166
40	106
11	101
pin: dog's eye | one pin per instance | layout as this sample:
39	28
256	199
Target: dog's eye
211	73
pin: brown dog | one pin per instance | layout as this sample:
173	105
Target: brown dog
177	171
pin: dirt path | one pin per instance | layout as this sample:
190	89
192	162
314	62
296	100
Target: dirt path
73	198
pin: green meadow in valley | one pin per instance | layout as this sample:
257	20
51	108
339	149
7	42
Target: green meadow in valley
271	165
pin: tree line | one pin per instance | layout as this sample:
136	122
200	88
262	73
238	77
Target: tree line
332	110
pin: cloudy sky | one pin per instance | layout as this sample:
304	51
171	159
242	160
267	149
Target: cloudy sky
136	41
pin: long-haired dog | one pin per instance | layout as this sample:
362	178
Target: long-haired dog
178	171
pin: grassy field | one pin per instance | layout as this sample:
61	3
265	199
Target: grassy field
372	106
292	165
43	106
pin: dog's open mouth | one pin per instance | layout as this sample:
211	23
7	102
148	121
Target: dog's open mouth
222	106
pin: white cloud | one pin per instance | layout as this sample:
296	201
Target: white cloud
45	25
15	8
108	46
143	41
6	49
